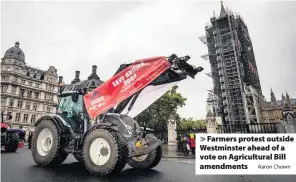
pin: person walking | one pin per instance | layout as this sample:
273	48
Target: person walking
192	144
185	145
30	139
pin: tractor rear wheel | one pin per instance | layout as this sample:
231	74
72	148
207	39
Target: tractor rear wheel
47	144
105	152
147	161
12	142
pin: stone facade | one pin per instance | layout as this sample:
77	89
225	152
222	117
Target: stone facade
272	111
172	133
212	118
289	121
27	92
211	123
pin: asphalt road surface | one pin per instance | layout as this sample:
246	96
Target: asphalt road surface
19	167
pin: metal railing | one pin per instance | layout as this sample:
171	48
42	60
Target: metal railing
249	128
186	131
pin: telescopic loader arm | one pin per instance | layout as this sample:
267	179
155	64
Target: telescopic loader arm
132	80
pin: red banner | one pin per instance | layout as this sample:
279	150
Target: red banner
124	84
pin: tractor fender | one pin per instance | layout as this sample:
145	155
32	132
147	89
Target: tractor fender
112	121
62	124
153	143
107	126
112	115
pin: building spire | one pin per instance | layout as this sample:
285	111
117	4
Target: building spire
210	114
223	12
288	100
283	99
272	97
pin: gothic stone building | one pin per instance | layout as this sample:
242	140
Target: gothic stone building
272	111
27	93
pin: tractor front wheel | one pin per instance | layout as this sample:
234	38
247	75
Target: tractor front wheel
147	161
105	152
47	144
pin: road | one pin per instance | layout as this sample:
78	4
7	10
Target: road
19	167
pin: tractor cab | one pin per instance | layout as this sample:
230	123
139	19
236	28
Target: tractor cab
71	105
72	109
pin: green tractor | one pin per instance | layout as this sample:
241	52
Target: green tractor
94	120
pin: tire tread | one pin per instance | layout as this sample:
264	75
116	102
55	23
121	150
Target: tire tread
14	141
121	152
60	155
153	158
157	158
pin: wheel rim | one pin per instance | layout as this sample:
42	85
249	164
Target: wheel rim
100	151
44	142
140	158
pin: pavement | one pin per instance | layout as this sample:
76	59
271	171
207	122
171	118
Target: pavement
171	152
19	167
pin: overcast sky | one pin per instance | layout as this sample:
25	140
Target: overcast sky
76	35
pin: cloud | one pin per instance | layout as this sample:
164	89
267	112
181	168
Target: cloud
76	35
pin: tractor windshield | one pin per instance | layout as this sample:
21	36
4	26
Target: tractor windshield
71	109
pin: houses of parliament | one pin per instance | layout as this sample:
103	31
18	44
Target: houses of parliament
273	109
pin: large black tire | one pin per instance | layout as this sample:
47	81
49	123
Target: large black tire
150	161
56	154
118	152
12	142
78	157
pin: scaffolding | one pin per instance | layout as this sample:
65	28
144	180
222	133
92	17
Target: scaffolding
205	57
212	104
209	74
203	39
228	45
253	100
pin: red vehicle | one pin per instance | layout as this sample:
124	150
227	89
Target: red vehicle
11	139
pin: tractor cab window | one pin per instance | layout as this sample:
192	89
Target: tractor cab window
70	109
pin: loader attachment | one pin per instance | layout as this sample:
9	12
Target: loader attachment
136	86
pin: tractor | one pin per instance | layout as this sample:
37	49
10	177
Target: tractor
95	120
11	139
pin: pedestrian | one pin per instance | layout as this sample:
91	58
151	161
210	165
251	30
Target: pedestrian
192	144
30	139
186	145
25	133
